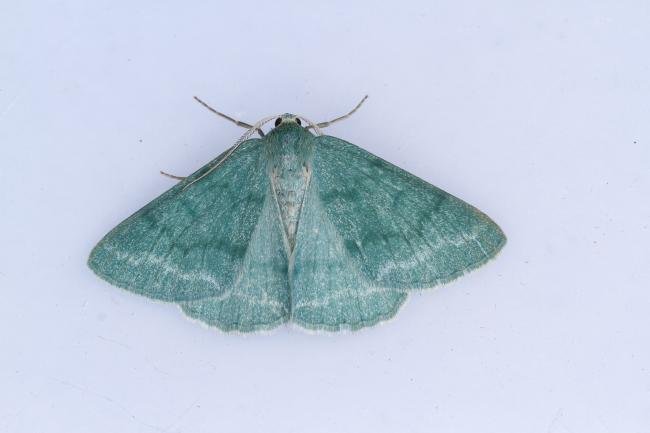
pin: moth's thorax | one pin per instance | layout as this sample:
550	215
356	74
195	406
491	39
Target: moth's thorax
290	149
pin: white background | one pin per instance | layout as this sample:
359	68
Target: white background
538	113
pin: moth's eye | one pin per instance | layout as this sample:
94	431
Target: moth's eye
278	121
298	121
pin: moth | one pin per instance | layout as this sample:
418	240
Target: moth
295	226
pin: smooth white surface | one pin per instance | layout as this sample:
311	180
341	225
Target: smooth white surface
538	113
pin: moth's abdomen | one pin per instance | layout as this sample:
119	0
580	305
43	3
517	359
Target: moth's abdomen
290	178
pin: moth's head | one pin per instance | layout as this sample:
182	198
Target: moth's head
288	119
289	127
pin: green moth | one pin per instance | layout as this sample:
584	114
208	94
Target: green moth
295	226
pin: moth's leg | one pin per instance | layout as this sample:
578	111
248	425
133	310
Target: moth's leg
225	116
345	116
172	176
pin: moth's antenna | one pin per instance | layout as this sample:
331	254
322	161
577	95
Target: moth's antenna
313	125
225	116
246	136
345	116
251	129
173	176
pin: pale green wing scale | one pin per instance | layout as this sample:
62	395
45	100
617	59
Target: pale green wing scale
295	227
370	232
215	247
